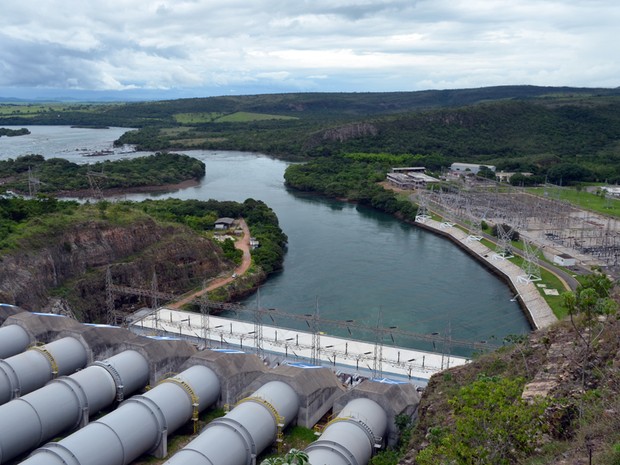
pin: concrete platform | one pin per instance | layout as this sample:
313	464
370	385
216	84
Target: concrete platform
291	345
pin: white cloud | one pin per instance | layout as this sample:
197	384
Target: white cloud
357	45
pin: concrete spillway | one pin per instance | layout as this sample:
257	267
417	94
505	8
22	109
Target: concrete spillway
351	437
66	402
13	340
238	437
141	424
28	371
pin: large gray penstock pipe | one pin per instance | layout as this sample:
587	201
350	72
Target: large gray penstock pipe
28	371
350	438
67	402
13	340
141	424
245	431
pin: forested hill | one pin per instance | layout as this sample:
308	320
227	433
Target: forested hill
568	134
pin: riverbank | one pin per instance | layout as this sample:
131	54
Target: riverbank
537	311
120	191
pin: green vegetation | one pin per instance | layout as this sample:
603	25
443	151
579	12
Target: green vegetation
493	424
477	414
201	215
13	132
566	135
348	178
596	201
20	218
59	175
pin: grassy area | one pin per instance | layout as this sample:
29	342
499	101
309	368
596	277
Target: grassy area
237	117
245	117
31	110
192	118
580	198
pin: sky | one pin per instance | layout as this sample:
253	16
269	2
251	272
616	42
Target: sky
193	48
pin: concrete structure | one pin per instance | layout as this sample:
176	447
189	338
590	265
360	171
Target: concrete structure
13	340
317	389
473	168
352	437
394	397
246	431
292	393
67	402
140	425
30	370
234	369
410	180
350	355
224	223
564	259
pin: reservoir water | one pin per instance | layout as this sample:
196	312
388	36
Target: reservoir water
352	263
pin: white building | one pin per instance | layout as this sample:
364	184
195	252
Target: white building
469	167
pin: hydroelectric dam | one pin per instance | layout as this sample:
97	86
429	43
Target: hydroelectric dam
57	375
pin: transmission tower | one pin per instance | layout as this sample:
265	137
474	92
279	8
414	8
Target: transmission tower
204	316
530	265
109	297
258	327
504	242
316	337
94	180
154	299
422	215
377	367
475	229
33	183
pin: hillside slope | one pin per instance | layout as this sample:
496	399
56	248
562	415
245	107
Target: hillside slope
552	398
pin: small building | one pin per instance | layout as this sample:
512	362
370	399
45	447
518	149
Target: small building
473	168
254	243
504	176
410	169
611	191
410	180
224	223
564	259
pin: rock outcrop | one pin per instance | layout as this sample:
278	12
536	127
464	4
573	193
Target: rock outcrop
73	263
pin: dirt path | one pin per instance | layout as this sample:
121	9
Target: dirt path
242	244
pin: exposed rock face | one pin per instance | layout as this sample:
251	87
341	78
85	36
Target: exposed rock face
74	263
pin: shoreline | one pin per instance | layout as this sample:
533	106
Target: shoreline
118	191
533	305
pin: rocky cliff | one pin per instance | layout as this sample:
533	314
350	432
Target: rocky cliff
72	264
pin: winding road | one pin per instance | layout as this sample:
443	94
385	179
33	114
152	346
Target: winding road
242	244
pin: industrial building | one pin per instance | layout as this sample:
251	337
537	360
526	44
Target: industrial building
56	374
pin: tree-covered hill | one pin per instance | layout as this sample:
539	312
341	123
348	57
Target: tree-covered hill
568	134
57	175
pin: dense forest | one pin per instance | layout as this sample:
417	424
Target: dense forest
354	178
57	175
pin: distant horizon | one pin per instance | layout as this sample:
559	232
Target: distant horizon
51	95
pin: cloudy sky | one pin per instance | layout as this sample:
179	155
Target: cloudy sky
173	48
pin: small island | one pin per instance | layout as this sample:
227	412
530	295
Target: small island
13	132
32	174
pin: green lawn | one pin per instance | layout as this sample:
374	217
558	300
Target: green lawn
580	198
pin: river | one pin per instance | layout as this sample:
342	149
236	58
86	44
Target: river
351	263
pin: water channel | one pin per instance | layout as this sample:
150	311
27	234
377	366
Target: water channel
352	263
